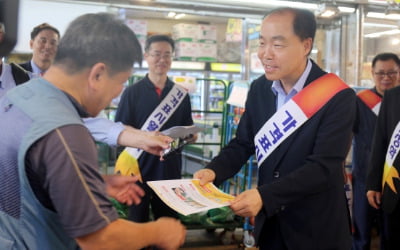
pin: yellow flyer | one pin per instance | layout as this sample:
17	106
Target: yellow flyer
187	196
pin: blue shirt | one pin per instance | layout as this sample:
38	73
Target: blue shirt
281	96
36	71
7	81
104	130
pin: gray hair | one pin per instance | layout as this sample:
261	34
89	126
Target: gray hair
94	38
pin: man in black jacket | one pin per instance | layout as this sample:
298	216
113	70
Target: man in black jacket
299	202
44	42
385	74
383	172
10	74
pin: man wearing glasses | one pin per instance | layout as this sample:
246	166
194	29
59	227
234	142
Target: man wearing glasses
155	103
385	74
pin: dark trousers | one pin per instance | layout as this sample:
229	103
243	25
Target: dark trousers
364	218
271	237
391	229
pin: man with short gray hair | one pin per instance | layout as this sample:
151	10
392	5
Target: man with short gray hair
49	176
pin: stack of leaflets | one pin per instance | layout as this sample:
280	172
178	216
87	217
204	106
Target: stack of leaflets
187	196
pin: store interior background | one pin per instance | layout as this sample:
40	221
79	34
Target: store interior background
345	44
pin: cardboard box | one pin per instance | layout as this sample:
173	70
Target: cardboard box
185	32
138	26
186	51
207	33
142	41
207	52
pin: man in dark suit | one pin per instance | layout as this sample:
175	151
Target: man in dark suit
385	74
383	172
10	74
44	43
299	202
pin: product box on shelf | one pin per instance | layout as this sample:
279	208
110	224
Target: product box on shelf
185	32
142	41
207	52
140	29
186	51
207	33
138	26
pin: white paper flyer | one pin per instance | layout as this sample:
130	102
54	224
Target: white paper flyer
187	196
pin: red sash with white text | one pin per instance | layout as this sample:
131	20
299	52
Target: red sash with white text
295	113
371	99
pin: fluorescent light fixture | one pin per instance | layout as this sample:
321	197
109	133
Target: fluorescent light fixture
395	41
241	3
383	15
346	9
327	10
171	14
392	12
371	14
377	1
180	15
383	33
379	25
310	6
393	16
328	13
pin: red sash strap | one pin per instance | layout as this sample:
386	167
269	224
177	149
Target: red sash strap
371	99
294	113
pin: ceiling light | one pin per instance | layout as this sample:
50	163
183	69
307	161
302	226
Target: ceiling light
327	10
346	9
241	3
287	4
395	41
383	15
387	32
171	14
379	25
392	12
179	16
328	13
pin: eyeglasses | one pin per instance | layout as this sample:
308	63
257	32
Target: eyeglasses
158	56
390	74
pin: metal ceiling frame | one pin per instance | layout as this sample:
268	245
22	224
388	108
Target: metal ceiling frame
255	9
